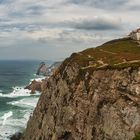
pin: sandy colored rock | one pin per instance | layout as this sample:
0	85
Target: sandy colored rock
100	106
34	86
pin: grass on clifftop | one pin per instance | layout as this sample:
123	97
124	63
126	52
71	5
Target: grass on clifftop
120	53
137	137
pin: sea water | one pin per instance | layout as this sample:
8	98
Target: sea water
16	103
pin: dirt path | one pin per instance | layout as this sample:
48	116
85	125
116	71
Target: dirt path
107	51
129	62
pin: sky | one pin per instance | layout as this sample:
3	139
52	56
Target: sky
53	29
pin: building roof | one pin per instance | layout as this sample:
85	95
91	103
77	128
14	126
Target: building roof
136	31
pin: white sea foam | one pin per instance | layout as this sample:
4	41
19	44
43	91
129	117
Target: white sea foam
27	102
21	91
6	116
11	118
8	130
39	79
14	123
18	92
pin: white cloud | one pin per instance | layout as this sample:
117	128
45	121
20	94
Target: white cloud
73	24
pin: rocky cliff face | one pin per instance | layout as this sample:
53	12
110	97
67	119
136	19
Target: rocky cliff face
93	95
92	105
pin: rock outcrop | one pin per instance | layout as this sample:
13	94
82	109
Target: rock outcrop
87	104
53	68
38	85
42	70
34	86
103	106
17	136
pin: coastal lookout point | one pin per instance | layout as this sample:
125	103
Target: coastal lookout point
135	34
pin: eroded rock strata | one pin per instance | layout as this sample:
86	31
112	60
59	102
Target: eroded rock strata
87	104
100	105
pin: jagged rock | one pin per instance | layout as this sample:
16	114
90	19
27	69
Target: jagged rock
105	112
79	102
42	70
34	86
40	85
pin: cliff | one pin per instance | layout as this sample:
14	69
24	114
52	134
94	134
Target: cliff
42	69
93	95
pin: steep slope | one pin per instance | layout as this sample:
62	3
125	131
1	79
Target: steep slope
118	53
88	100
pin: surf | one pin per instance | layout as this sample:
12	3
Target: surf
6	116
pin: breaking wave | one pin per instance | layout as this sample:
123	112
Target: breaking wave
25	103
18	92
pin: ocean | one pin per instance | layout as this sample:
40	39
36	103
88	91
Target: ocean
16	103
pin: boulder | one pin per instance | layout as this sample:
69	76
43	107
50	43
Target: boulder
34	86
16	136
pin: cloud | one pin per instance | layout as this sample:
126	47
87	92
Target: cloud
105	4
70	25
61	35
133	5
95	23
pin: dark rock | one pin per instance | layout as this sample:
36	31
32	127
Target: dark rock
16	136
42	70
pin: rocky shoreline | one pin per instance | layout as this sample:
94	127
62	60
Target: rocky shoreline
46	72
38	86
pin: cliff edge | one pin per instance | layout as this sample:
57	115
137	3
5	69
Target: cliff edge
93	95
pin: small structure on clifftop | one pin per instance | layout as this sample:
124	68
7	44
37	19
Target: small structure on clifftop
135	35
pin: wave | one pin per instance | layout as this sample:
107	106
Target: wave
6	116
25	103
16	119
39	79
11	127
18	92
13	123
6	132
11	120
21	91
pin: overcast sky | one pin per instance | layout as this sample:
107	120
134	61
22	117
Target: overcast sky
53	29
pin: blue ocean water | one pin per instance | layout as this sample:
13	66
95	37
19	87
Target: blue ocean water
16	104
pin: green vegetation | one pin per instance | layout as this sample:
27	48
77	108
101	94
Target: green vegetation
137	137
120	53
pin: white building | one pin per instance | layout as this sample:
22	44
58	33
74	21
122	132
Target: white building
135	35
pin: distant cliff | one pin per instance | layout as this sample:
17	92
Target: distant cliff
38	85
43	70
93	95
